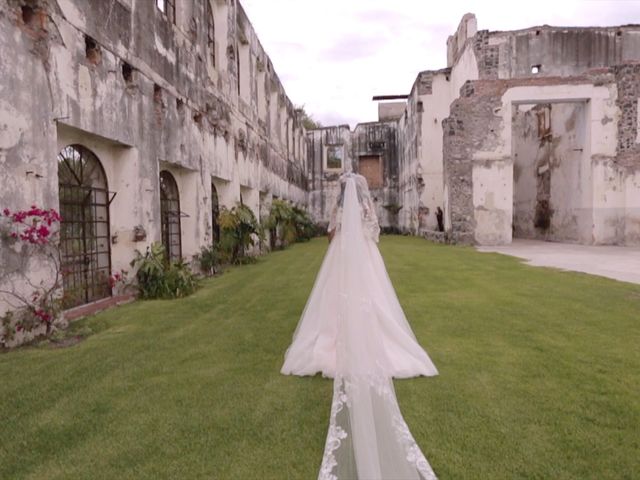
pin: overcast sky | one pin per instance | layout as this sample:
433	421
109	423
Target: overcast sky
332	56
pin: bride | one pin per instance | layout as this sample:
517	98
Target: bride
353	330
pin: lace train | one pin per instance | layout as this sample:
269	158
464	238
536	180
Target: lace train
386	418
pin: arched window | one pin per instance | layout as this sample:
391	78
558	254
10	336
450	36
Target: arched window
85	242
215	212
170	216
211	35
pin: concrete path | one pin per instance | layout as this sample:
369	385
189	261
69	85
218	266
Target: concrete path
619	263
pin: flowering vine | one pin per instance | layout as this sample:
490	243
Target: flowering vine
34	225
118	280
37	229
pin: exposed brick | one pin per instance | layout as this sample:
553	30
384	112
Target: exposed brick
628	82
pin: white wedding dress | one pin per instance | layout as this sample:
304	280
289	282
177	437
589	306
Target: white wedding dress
353	329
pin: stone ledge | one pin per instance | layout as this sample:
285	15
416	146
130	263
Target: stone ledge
448	238
435	236
98	306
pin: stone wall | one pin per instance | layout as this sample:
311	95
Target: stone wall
323	180
374	143
551	170
586	183
472	126
628	82
193	94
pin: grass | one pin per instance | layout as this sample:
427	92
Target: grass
539	377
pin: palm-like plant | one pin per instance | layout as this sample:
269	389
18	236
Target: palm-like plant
281	223
239	228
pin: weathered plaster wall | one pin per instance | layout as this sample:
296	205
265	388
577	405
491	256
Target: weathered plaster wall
412	214
556	52
390	110
323	181
422	186
144	94
373	140
379	139
421	167
552	176
616	179
479	146
562	51
474	156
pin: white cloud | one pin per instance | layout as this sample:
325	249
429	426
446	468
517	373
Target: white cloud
334	55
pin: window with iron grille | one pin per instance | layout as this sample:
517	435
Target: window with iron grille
168	7
170	216
85	242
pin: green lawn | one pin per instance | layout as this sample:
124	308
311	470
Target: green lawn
539	377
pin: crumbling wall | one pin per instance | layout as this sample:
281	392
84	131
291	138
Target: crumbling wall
323	181
577	171
456	43
377	142
556	51
475	180
421	188
374	142
617	179
411	185
144	94
551	172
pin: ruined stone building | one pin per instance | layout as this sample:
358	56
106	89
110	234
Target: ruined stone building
139	119
531	134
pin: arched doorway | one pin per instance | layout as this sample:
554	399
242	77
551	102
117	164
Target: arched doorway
170	216
215	212
85	241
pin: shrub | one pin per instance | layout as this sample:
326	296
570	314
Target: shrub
239	230
288	224
210	259
305	228
159	278
280	223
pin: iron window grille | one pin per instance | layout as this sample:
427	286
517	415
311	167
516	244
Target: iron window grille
170	216
85	240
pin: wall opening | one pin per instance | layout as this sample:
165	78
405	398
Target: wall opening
85	241
244	71
370	167
211	35
334	157
550	172
215	214
127	73
170	227
92	50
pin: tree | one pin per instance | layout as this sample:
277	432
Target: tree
308	121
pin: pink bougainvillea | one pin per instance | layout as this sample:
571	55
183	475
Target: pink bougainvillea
38	228
118	278
34	225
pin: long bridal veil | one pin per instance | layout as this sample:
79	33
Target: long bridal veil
354	330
